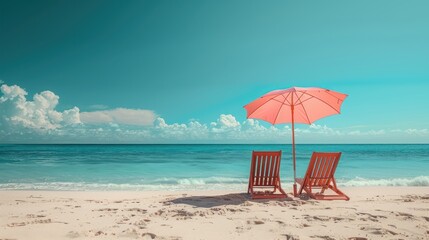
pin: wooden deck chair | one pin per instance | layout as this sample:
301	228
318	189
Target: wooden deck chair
264	179
320	175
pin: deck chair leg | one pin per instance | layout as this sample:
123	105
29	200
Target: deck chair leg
323	190
301	188
278	186
340	193
334	183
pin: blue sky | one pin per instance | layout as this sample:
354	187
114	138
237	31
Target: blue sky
181	71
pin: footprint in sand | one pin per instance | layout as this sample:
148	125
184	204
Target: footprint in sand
35	216
148	236
140	210
123	221
140	224
20	224
304	225
239	229
129	233
72	234
99	233
280	222
182	214
323	237
291	237
234	210
255	222
405	215
378	231
31	196
317	218
42	221
373	218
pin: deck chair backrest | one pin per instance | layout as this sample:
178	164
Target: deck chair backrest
321	168
265	168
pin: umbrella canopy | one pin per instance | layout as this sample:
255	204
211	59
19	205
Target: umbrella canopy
295	105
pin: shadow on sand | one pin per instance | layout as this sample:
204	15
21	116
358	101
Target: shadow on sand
229	199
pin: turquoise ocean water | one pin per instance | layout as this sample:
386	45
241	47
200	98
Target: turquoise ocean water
179	167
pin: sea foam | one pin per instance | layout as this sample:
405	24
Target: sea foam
211	183
416	181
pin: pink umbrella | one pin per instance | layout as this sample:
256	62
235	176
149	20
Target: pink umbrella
295	105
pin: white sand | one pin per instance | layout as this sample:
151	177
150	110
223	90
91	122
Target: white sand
372	213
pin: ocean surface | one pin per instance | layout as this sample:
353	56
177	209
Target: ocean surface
180	167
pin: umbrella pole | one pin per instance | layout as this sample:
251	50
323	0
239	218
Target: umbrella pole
293	153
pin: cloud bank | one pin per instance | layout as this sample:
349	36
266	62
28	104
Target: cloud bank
38	121
137	117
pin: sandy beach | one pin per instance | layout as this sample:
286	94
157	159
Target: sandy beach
372	213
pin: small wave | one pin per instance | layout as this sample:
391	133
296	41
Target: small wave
211	180
198	181
210	183
357	182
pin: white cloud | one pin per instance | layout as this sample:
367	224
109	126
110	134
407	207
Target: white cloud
71	116
179	132
225	123
40	114
226	130
323	130
365	133
38	121
252	125
412	131
376	132
138	117
11	92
